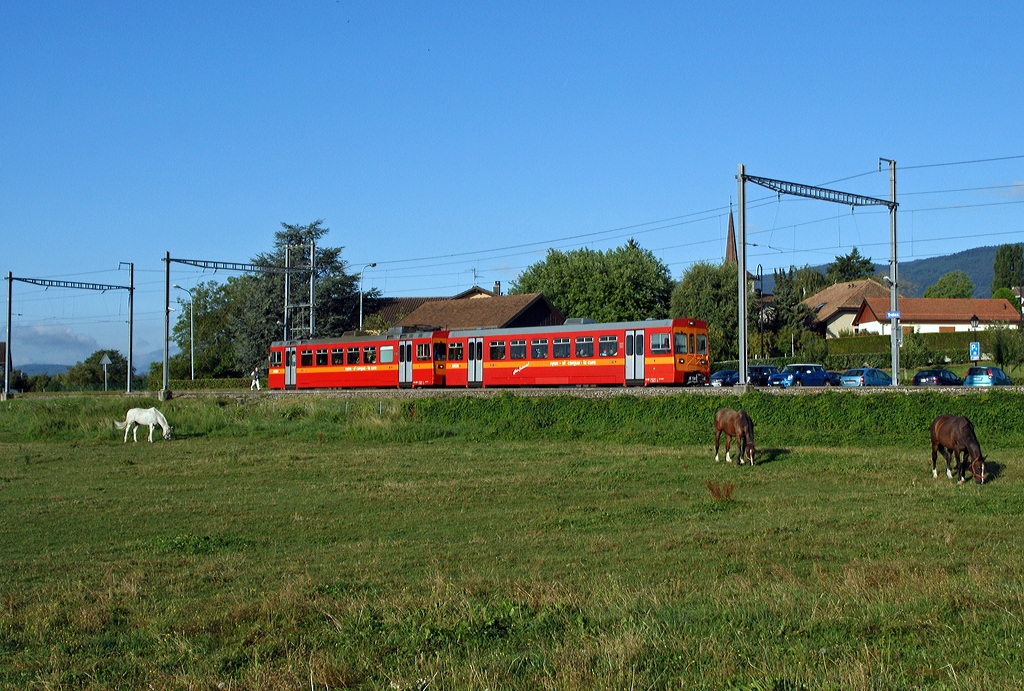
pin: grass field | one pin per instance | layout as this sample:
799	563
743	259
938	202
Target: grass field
303	545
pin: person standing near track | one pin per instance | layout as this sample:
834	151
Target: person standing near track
255	379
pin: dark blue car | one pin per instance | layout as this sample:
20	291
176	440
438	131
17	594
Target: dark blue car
800	375
725	377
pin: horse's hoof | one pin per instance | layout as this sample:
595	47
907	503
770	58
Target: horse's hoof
949	475
935	474
960	481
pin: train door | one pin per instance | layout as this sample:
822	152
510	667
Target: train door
405	364
475	361
289	367
635	358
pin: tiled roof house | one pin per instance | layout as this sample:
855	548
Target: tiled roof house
836	306
931	315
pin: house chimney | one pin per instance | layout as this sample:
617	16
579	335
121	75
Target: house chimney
497	287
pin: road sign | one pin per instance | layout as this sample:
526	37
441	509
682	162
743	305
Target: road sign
892	315
975	351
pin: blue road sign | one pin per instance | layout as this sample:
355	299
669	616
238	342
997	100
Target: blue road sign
892	315
975	350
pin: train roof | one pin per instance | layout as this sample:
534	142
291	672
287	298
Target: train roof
577	327
396	334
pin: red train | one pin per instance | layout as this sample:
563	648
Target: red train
657	352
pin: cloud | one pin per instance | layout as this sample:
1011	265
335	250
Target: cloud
50	344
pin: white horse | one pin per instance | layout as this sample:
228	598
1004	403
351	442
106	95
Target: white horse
143	416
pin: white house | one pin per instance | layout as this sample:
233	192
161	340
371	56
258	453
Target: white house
935	315
836	306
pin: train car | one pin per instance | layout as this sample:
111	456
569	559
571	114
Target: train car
656	352
399	358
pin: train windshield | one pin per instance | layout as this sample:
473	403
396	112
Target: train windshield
439	351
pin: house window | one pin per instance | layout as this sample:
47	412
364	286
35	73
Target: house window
370	355
455	351
608	346
353	356
497	350
585	346
539	349
517	350
337	356
306	358
561	348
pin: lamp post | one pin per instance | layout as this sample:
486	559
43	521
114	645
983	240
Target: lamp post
974	324
368	266
191	330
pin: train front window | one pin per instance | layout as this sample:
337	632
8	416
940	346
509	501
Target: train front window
306	358
439	351
702	344
517	350
539	349
585	346
681	344
497	350
561	348
321	357
608	346
455	351
661	343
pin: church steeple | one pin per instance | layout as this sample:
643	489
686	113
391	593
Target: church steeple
730	242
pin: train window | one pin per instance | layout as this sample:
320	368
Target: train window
638	344
306	358
422	351
702	344
369	355
387	353
539	349
439	351
497	350
629	344
321	356
560	348
290	355
661	343
454	351
585	346
479	349
275	358
608	346
353	356
681	344
692	348
337	356
517	350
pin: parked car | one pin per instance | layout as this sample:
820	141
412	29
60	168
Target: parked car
835	378
758	374
866	376
987	376
936	377
800	375
725	377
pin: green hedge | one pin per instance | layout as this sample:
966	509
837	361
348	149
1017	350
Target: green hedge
212	384
953	340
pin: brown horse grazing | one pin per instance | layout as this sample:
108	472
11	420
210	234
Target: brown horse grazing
735	423
953	436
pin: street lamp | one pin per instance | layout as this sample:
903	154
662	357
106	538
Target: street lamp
368	266
191	330
974	323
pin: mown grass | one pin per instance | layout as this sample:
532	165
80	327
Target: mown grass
417	549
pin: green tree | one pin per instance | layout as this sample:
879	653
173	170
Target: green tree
850	267
1008	267
1007	294
791	288
88	374
258	305
213	307
955	284
625	284
708	292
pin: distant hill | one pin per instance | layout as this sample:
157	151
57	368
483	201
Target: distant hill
919	274
48	370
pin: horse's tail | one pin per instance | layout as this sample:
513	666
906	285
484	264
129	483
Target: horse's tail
120	425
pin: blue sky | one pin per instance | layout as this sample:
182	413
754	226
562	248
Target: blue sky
421	132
